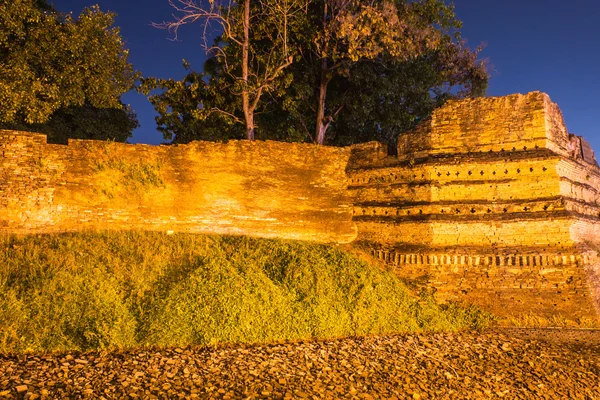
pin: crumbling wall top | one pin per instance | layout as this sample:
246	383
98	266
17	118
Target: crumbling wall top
509	123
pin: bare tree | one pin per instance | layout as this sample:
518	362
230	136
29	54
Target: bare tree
239	24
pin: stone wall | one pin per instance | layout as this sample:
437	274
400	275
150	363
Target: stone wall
496	124
267	189
493	200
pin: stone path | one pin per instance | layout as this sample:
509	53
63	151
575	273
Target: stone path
507	363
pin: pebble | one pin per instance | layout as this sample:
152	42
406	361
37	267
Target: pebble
499	363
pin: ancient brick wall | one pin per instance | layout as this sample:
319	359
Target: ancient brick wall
493	201
266	189
496	124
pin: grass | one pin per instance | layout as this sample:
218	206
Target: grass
119	177
142	173
127	289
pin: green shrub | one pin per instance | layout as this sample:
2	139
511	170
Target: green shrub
124	289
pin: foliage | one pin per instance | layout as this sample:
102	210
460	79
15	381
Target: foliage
378	100
377	65
118	178
62	72
85	122
252	54
362	71
122	289
177	105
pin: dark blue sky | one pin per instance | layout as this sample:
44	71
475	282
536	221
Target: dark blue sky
548	45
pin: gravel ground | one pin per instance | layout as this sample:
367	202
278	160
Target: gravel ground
501	363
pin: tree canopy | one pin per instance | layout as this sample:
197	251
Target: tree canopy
362	70
181	118
63	76
249	59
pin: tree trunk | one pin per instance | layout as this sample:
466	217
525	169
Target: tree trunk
321	125
248	111
250	126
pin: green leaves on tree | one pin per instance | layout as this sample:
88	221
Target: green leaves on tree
359	71
52	63
251	54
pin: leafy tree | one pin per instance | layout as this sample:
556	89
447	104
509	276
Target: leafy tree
179	106
85	122
58	73
379	100
385	34
252	53
362	71
43	5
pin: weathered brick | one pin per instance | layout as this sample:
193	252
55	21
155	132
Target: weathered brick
267	189
492	198
488	198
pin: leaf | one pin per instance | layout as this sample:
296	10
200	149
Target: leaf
52	62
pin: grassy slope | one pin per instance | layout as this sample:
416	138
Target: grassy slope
119	290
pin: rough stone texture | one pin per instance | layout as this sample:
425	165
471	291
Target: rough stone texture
466	365
491	198
494	201
267	189
492	123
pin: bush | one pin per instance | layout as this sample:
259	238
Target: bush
119	290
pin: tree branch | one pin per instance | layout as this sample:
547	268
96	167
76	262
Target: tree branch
230	115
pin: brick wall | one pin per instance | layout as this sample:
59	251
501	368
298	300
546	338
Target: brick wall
510	123
492	199
489	199
267	189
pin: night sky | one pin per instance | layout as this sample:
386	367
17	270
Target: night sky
548	45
